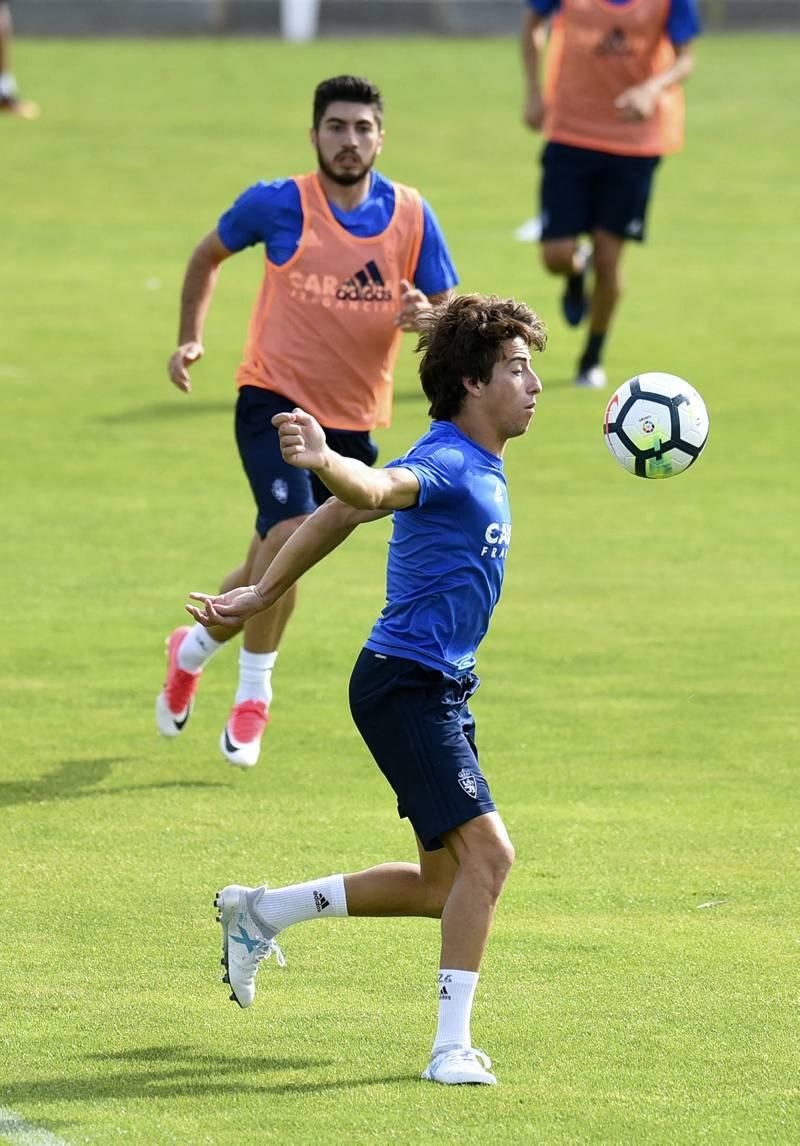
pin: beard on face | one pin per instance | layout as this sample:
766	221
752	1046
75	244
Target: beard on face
344	178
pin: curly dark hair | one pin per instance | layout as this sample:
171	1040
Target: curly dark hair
351	89
461	338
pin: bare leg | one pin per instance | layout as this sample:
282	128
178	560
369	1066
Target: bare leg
461	884
403	888
6	31
262	633
9	96
560	256
484	855
607	280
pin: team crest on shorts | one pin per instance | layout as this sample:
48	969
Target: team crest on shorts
468	782
280	490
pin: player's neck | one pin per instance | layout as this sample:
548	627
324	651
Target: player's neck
470	423
346	198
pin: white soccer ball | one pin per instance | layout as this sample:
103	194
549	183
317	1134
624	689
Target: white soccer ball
656	425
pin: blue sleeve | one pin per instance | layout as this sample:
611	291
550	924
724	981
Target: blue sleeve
252	218
438	474
435	271
683	22
544	7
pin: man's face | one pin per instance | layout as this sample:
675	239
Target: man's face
347	141
511	393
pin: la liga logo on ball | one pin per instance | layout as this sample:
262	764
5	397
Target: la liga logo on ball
656	425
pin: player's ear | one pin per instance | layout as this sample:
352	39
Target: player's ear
381	135
472	386
312	135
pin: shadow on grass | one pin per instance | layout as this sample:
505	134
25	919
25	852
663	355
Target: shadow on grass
161	411
182	1071
78	780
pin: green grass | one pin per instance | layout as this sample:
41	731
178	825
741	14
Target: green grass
638	717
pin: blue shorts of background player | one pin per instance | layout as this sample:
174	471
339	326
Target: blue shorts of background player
282	491
417	724
582	190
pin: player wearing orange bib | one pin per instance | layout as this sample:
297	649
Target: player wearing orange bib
611	106
351	261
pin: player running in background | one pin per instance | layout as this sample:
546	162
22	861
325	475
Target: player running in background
612	105
351	260
11	103
411	684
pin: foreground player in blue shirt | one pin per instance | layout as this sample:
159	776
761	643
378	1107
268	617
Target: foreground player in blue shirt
410	688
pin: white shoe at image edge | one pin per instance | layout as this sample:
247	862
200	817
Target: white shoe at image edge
592	379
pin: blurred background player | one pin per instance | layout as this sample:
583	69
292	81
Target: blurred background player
11	102
410	687
612	105
351	260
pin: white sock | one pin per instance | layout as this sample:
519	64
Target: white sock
255	676
8	85
456	992
197	649
282	906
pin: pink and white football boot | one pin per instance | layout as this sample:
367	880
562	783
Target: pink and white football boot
175	701
240	741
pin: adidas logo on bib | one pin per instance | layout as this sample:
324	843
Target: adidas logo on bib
366	285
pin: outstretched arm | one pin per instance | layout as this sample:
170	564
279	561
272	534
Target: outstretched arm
303	444
318	536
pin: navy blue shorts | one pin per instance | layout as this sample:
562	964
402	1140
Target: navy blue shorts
282	491
583	190
417	724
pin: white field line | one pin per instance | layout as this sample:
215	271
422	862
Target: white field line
17	1131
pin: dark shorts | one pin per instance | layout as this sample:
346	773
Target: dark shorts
583	190
417	724
281	491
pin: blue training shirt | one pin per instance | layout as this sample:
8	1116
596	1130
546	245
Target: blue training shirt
683	20
271	213
446	555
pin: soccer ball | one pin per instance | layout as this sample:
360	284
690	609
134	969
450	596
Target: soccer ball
656	425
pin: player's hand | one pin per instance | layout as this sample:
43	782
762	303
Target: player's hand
412	303
301	438
229	609
179	363
533	112
637	103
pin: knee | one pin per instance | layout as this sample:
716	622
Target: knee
497	862
279	534
504	860
555	258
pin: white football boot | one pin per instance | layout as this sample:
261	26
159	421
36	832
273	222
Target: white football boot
463	1066
245	941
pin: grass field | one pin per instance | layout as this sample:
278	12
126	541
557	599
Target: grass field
638	717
